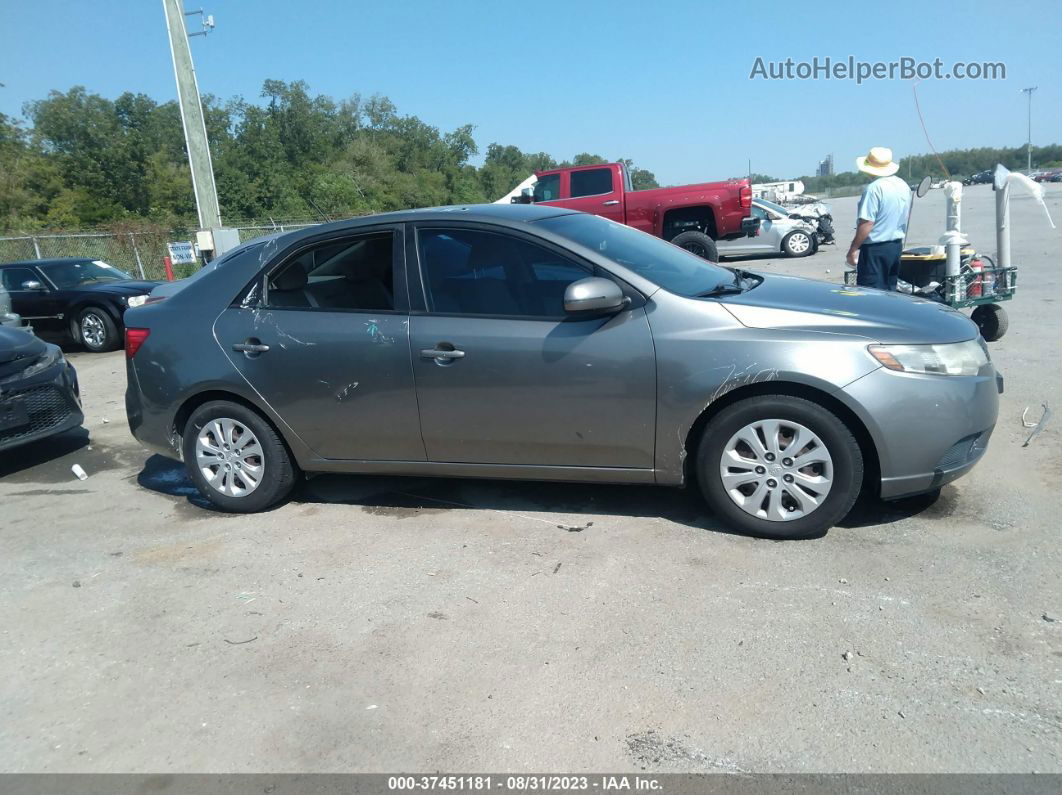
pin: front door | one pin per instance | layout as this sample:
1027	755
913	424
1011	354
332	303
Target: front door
504	377
41	306
327	345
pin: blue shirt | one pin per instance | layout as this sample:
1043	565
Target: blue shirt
886	202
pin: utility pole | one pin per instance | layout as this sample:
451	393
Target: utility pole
1029	91
192	118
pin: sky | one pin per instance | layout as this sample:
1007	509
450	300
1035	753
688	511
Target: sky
666	83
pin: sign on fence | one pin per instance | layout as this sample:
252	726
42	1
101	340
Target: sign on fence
182	253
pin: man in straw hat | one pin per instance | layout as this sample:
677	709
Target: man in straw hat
881	222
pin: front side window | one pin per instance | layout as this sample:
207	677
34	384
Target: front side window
547	188
473	272
67	275
591	183
14	278
355	273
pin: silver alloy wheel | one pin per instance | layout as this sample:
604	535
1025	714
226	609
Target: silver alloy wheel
230	457
776	470
799	242
93	332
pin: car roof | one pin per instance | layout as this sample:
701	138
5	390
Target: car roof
48	261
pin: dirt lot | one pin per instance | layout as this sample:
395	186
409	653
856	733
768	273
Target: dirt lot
377	624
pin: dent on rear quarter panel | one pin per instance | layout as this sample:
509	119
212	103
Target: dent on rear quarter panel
704	354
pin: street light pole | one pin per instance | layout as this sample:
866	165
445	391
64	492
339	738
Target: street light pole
1029	92
192	118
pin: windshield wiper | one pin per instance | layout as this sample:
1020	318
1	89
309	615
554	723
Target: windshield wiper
721	289
735	287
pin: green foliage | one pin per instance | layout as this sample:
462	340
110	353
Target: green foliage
89	161
958	162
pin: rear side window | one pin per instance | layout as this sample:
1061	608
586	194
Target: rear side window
355	273
472	272
591	183
547	188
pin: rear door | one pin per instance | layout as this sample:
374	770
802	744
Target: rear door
504	377
597	190
326	345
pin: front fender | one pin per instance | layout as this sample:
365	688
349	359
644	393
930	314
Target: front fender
704	354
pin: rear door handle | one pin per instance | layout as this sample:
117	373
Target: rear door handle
250	347
611	202
435	353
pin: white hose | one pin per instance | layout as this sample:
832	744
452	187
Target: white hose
1036	189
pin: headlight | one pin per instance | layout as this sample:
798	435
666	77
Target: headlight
956	358
136	300
46	360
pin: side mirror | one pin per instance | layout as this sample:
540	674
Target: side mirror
32	285
593	295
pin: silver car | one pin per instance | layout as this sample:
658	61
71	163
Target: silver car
778	234
521	341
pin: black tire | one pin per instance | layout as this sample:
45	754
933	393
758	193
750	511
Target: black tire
697	243
992	320
279	472
101	333
847	465
793	238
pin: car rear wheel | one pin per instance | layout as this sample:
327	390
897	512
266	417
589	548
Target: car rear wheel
797	244
697	243
235	458
778	466
97	331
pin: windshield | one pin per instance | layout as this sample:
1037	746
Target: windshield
675	269
74	274
772	206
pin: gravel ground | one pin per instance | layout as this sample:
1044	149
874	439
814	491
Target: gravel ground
376	624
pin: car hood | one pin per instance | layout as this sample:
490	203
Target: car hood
125	287
789	302
18	350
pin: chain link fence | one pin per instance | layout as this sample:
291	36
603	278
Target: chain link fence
138	252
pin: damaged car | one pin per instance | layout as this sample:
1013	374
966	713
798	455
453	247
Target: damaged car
534	342
39	394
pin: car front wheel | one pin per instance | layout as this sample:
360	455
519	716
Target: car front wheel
97	331
797	244
235	458
778	466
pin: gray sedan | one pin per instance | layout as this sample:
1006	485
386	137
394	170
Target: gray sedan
779	233
520	341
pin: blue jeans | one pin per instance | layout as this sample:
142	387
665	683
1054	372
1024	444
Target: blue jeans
879	264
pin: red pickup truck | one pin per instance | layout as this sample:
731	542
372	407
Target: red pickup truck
690	216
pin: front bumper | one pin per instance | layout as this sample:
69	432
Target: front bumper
51	401
928	429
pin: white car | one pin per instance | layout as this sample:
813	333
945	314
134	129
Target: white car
779	234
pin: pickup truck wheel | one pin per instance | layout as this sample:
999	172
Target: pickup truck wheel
778	466
798	244
697	243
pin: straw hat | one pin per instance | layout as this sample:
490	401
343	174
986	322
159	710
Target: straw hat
878	162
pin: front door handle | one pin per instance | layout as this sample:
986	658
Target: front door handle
250	347
435	353
611	202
